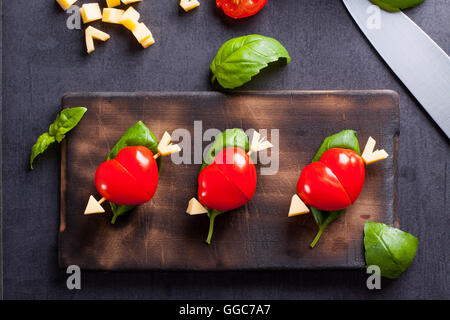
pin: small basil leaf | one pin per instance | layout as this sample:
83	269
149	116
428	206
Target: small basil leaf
396	5
42	143
65	121
239	59
389	248
346	139
228	138
137	135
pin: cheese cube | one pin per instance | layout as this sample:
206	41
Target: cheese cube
113	3
141	32
130	1
66	4
148	42
111	15
188	5
90	12
130	18
92	33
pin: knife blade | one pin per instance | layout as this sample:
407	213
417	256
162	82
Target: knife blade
422	66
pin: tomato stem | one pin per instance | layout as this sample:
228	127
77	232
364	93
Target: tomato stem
113	220
318	235
212	215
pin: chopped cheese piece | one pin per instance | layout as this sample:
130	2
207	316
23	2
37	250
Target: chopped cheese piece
113	3
148	42
93	206
259	144
142	33
66	4
90	12
91	33
130	1
188	5
165	147
130	19
369	155
298	207
111	15
195	207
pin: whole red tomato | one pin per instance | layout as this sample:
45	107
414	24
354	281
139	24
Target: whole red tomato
334	182
129	179
240	8
229	182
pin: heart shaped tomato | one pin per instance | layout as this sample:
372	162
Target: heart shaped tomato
334	182
129	179
229	182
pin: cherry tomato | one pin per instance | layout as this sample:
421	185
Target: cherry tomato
229	182
240	8
334	182
129	179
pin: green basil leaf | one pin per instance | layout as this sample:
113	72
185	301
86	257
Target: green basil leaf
42	143
389	248
239	59
65	121
346	139
137	135
396	5
228	138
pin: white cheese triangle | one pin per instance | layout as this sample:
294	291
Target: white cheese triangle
298	207
369	155
93	206
195	207
165	147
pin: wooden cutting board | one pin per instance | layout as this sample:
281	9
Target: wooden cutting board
161	236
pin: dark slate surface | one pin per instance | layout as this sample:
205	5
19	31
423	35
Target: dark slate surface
42	59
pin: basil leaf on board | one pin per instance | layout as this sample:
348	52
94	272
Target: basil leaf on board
389	248
65	121
228	138
239	59
396	5
346	139
137	135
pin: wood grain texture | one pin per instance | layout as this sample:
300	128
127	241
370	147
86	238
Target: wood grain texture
161	236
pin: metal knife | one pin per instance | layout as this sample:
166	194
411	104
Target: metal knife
414	57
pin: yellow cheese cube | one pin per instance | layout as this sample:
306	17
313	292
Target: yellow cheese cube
113	3
90	12
66	4
92	33
130	18
189	4
148	42
130	1
111	15
141	32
